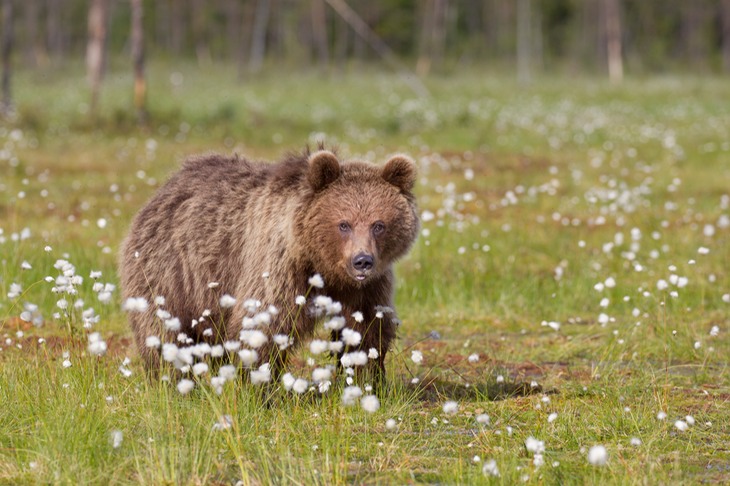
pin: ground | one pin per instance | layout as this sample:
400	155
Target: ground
570	282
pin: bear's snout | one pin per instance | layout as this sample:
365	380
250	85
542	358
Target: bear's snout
362	262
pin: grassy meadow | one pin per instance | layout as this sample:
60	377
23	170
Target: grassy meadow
570	288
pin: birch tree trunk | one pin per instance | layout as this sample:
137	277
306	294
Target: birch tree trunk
612	16
6	51
137	45
54	33
95	49
258	35
319	32
524	41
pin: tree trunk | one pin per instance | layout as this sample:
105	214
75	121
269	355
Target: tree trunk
33	48
177	26
725	17
95	49
423	65
54	33
244	41
342	43
258	35
438	34
319	32
137	44
6	51
233	28
524	41
694	27
612	16
200	32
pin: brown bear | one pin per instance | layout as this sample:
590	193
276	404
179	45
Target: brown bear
226	251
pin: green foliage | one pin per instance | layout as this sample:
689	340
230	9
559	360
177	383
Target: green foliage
530	197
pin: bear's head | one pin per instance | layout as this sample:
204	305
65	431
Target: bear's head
361	219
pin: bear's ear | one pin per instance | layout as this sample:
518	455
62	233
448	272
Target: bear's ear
324	169
400	170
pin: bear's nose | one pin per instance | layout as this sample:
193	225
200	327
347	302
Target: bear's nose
362	261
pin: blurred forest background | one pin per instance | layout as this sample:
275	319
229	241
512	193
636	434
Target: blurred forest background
527	37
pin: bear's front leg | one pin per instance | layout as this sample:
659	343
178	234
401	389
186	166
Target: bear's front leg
377	330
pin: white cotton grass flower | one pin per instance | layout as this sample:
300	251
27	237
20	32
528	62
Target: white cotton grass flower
690	420
715	331
135	304
490	468
351	337
473	358
316	281
261	375
335	346
227	300
373	353
355	358
320	375
172	324
97	346
283	341
159	300
184	386
417	356
318	346
232	346
300	300
248	357
358	316
635	441
535	446
66	363
597	455
169	352
552	417
300	385
483	419
681	425
661	415
450	407
200	368
350	395
25	265
213	285
15	291
116	438
335	323
262	319
287	379
253	338
391	424
370	403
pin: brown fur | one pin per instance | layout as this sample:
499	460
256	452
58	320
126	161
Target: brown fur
229	220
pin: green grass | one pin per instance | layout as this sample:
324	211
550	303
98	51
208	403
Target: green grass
520	181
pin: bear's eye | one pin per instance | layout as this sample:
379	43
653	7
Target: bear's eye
344	227
378	228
